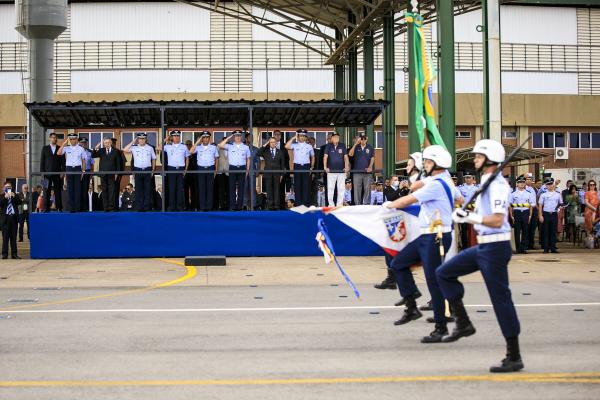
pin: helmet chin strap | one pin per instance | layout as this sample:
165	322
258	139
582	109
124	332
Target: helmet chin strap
486	163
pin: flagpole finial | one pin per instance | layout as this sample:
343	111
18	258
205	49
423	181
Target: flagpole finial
414	4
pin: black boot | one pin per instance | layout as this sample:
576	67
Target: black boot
403	300
431	320
513	361
387	283
463	326
437	335
411	312
426	307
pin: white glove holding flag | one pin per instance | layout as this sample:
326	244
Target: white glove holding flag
466	217
386	204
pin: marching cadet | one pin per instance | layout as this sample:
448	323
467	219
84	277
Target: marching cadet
548	206
529	182
239	160
207	159
85	179
144	160
467	189
520	205
414	166
437	197
177	160
304	160
490	256
75	162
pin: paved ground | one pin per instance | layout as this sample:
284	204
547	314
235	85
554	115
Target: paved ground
273	328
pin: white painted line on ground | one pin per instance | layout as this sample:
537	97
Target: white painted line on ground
208	310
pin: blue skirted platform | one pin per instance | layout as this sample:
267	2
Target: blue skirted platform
171	234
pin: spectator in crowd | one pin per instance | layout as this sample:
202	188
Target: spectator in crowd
591	206
404	188
177	156
75	157
273	159
286	180
291	203
392	192
89	166
321	196
118	178
35	198
110	161
51	201
52	162
581	192
348	193
9	220
25	198
314	177
221	187
549	203
144	163
207	162
373	189
321	166
303	156
158	198
190	181
377	197
239	164
364	159
250	185
336	164
290	195
91	200
100	204
128	198
571	202
566	191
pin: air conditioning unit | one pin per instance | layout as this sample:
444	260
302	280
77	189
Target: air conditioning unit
561	153
581	175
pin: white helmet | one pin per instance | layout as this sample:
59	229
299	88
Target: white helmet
438	155
492	149
418	158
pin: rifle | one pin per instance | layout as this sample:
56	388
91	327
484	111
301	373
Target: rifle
498	171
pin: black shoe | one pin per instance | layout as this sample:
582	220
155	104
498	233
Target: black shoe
524	252
403	300
410	314
437	335
431	320
20	240
4	257
15	257
426	307
531	248
545	251
387	283
555	251
458	332
508	365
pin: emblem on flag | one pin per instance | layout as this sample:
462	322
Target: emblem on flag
396	228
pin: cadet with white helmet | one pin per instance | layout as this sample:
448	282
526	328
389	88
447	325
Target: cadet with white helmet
437	198
490	256
414	166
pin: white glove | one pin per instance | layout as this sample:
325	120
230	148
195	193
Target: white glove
386	204
466	217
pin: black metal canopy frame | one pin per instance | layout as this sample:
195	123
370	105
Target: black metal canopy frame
190	114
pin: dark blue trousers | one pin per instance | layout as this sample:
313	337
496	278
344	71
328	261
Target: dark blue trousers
302	185
425	250
532	227
238	179
492	260
205	188
521	229
549	230
143	189
74	188
175	182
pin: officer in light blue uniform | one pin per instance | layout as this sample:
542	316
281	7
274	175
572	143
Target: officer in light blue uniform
377	197
491	256
239	163
304	160
177	160
521	203
207	156
89	166
529	181
144	162
549	203
467	189
74	162
437	198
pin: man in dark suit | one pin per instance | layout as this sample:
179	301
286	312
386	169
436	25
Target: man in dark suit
50	161
321	165
273	160
286	163
9	220
121	167
25	198
110	160
190	182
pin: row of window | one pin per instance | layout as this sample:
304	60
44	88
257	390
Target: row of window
576	140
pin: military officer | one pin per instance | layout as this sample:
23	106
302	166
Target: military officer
467	189
144	162
207	158
177	160
520	205
548	206
89	166
304	161
75	156
239	164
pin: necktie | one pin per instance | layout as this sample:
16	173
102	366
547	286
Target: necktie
273	153
10	209
108	152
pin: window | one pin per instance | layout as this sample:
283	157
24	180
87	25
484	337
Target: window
220	135
403	134
15	136
584	140
127	137
509	135
378	139
548	140
95	137
190	135
462	134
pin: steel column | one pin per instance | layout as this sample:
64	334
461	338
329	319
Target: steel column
369	69
492	89
352	76
446	90
339	79
389	94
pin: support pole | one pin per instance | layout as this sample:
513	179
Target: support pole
389	94
492	89
339	79
369	70
446	90
352	77
413	137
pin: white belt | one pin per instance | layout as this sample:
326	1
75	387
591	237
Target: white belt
427	231
497	237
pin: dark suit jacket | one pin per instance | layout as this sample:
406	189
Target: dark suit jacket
24	200
109	162
389	194
16	202
277	163
320	164
51	162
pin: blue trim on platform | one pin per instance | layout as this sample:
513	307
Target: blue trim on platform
172	234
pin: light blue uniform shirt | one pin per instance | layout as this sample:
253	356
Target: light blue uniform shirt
433	198
206	155
467	191
521	197
176	154
550	201
143	156
376	197
493	201
74	155
89	161
347	196
237	154
302	153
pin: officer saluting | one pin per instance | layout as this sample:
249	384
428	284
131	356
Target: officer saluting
490	256
304	160
207	159
239	160
144	160
529	181
85	179
177	160
520	205
549	203
437	198
75	162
